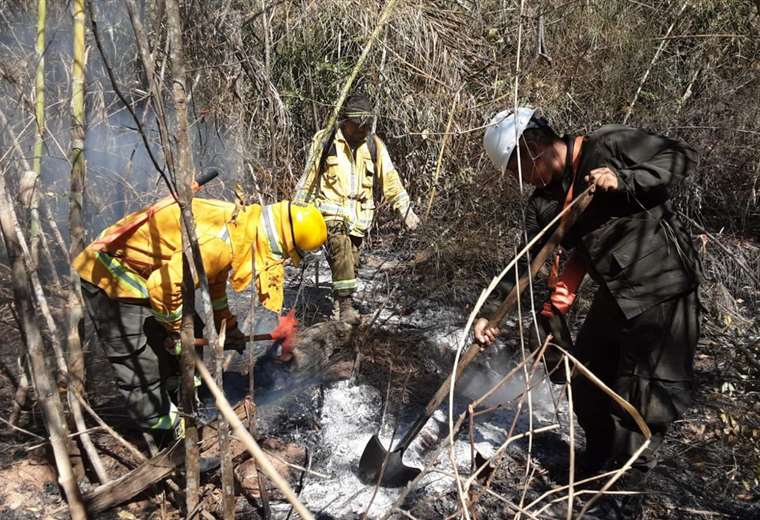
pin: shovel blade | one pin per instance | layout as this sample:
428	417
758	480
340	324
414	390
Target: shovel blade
395	473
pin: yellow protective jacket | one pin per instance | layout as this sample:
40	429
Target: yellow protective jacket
146	263
344	191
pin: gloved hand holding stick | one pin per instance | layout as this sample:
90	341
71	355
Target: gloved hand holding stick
284	334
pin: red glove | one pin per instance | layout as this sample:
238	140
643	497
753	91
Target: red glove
284	337
561	299
564	292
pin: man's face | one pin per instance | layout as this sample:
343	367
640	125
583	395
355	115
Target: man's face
354	131
534	163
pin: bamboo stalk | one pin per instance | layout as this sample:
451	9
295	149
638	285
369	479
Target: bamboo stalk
76	201
47	395
74	313
39	117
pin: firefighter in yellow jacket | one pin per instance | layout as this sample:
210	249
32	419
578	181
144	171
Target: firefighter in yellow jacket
341	185
131	283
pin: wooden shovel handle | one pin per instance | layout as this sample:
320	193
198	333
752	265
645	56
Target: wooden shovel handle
202	342
511	300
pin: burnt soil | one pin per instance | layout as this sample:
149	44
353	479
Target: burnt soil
709	466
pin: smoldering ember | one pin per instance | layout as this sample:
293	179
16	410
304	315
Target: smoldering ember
380	259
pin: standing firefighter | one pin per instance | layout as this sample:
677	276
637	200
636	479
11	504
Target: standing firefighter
132	287
640	334
341	185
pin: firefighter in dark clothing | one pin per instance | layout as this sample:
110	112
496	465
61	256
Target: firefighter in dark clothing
640	334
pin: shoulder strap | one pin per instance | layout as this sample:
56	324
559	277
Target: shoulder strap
577	145
326	148
372	147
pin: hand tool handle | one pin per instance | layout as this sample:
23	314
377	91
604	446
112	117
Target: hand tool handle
202	342
204	178
509	302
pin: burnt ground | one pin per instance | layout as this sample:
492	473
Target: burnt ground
709	468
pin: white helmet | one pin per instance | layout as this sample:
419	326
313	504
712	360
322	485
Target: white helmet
504	131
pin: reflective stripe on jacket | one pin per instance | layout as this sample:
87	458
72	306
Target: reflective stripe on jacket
146	264
345	189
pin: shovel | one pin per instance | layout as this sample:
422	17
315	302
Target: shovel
377	465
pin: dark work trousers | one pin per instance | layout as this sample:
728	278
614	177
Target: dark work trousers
343	257
132	340
648	360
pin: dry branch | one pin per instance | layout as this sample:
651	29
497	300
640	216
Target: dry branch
150	472
664	42
250	443
46	392
184	174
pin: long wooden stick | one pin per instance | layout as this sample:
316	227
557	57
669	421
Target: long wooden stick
184	174
665	40
228	476
76	361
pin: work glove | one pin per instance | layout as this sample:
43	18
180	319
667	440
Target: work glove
173	343
235	340
411	220
560	300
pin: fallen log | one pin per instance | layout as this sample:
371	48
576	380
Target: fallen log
150	472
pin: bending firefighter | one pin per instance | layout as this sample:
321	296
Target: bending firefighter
341	186
132	278
640	334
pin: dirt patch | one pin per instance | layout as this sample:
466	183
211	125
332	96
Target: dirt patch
29	487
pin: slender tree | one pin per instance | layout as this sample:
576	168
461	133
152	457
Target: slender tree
39	117
76	362
184	178
76	194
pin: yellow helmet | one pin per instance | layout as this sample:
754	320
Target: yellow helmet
307	227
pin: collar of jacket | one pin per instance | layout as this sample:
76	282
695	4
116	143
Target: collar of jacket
567	173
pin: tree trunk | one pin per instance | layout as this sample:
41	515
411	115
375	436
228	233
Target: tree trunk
184	175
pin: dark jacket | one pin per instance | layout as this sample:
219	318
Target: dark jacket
630	239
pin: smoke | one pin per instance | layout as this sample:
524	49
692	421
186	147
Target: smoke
121	178
481	378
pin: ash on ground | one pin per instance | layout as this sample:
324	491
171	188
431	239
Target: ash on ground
334	421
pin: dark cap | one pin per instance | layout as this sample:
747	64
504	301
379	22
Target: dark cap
358	108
